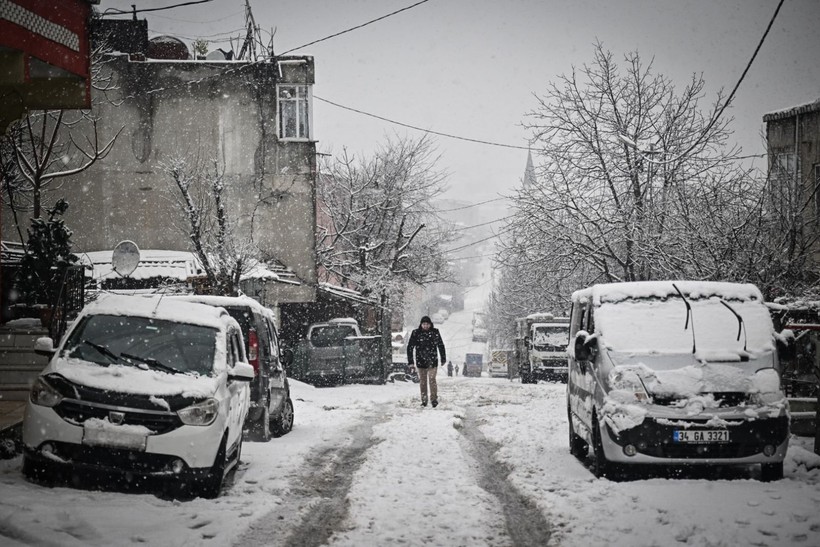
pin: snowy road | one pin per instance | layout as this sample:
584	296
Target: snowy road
367	466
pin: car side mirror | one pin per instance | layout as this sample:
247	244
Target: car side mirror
241	372
286	357
44	346
584	347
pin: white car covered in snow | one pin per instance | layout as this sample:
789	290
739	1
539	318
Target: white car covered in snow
676	373
142	388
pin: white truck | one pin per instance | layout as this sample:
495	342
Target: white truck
541	347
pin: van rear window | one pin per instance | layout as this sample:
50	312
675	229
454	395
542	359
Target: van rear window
323	337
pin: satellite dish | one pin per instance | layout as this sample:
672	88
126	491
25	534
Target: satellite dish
126	258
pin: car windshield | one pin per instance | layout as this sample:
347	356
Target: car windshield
551	336
154	343
654	325
326	336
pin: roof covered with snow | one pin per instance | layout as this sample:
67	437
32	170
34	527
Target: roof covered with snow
153	263
160	308
792	111
179	265
616	292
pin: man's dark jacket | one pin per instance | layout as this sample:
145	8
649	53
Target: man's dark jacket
426	343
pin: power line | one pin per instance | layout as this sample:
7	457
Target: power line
221	19
470	206
461	229
356	27
448	135
117	11
243	66
509	228
731	96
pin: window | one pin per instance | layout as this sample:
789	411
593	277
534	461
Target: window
294	112
816	190
785	187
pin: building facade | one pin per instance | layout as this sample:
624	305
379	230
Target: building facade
251	122
793	146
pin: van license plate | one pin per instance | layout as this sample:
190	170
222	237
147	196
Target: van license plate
701	436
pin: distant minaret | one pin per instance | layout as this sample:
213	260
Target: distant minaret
529	172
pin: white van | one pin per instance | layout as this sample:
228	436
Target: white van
675	372
141	388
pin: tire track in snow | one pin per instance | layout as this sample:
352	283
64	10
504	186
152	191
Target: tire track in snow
313	511
525	523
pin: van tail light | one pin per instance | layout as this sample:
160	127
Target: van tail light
253	351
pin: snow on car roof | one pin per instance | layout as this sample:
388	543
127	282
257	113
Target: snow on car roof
171	309
616	292
224	301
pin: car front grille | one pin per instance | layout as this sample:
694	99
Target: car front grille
726	399
77	412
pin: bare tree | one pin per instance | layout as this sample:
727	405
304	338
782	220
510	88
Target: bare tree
635	183
377	227
200	194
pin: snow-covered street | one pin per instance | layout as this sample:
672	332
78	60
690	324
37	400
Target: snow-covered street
366	465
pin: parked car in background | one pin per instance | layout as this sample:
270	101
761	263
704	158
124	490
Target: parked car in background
143	388
335	351
672	373
271	412
473	364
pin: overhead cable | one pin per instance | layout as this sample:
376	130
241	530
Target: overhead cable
448	135
117	11
356	27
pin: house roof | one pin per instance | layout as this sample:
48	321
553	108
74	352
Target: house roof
793	111
345	294
180	265
153	263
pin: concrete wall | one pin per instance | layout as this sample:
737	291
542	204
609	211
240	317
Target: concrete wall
227	114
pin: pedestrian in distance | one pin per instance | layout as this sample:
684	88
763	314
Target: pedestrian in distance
449	368
423	350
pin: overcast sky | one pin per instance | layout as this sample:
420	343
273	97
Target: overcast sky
470	67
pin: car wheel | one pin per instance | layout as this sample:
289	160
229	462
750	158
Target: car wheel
771	472
41	473
260	429
212	484
601	467
578	447
284	423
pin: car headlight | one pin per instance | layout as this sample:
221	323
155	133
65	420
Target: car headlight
765	388
203	413
629	381
43	394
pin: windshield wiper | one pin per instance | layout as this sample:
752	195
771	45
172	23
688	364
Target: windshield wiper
688	314
740	324
153	363
103	349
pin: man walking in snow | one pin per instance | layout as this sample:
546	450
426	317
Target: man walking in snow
427	344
